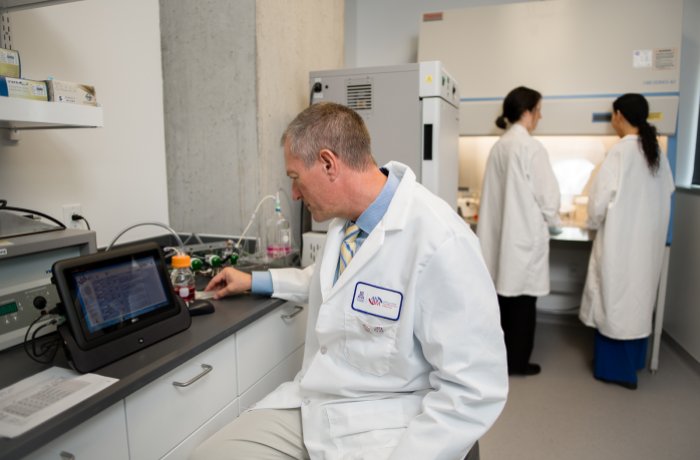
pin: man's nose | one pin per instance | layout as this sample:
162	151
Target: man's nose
296	194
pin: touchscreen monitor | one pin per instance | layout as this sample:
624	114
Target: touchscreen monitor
111	294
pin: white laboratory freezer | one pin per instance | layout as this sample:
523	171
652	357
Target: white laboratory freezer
411	112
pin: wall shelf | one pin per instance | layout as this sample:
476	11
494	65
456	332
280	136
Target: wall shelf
15	5
16	113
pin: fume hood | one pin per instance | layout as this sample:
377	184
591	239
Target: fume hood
581	55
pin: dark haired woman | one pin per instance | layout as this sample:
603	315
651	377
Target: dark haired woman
519	201
629	204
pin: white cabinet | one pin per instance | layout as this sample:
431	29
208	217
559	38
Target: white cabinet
283	372
183	450
165	412
103	436
268	341
167	421
171	416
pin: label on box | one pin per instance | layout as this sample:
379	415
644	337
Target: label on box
9	63
23	88
72	93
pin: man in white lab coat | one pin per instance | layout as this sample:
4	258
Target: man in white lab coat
404	357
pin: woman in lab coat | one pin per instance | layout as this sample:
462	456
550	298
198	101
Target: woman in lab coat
629	204
519	201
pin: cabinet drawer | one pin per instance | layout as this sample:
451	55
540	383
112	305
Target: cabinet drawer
184	450
283	372
103	436
160	415
265	343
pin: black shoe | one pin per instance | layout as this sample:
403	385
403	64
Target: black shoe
530	369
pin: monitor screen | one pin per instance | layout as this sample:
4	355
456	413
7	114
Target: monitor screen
119	292
114	293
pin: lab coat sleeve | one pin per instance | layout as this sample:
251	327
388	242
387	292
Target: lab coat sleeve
545	187
458	326
292	283
603	190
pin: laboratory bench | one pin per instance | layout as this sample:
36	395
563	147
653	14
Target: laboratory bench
570	231
252	342
569	252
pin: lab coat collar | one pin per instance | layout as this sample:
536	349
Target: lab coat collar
394	220
519	129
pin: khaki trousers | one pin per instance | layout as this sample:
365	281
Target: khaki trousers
263	434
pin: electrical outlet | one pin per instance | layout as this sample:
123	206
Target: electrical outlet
313	247
68	211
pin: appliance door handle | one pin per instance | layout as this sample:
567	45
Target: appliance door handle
206	369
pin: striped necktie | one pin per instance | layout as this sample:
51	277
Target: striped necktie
348	246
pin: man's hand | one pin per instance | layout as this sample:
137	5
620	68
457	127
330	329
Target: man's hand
229	281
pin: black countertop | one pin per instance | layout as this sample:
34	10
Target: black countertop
134	371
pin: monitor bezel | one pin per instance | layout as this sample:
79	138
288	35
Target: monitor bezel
64	271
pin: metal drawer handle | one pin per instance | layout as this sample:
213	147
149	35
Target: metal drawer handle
207	369
298	309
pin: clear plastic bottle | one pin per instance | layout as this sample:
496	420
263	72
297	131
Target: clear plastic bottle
279	242
182	277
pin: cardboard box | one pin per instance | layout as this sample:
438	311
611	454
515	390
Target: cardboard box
9	63
72	93
23	88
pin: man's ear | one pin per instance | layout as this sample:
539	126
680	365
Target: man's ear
330	163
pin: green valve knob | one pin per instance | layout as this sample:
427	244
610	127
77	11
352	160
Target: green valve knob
196	264
213	260
234	259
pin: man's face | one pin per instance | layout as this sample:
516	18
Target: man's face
309	184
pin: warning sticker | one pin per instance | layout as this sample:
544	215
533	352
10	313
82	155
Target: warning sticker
665	59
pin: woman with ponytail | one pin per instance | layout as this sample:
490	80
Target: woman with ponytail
519	201
629	205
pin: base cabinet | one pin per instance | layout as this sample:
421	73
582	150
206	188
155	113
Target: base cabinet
163	413
184	450
283	372
103	437
171	416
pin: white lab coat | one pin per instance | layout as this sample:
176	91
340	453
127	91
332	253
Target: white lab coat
630	209
519	200
426	386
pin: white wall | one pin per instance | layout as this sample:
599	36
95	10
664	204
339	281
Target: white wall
690	93
117	173
682	320
236	73
682	313
292	39
210	106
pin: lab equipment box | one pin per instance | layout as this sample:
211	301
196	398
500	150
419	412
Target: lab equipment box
72	93
9	63
23	88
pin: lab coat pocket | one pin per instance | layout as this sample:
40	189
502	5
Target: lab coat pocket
370	343
366	428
